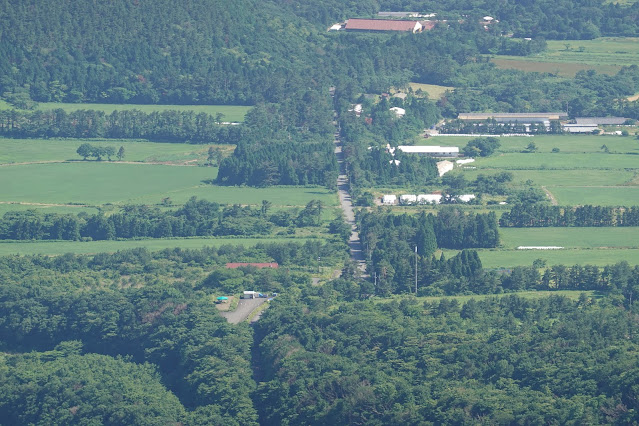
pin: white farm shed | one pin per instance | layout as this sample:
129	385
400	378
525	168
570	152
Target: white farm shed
466	197
408	199
431	151
429	198
389	199
399	112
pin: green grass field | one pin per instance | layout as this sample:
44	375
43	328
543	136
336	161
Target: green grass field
605	237
41	150
524	161
92	247
599	257
602	196
234	113
567	57
554	178
97	183
571	294
434	91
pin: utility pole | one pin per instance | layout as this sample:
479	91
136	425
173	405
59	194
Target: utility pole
415	270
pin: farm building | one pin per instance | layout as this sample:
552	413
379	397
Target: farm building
600	121
429	198
580	128
389	199
398	14
408	199
399	112
466	197
508	117
273	265
249	295
356	24
430	151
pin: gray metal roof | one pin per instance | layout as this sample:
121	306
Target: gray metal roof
612	121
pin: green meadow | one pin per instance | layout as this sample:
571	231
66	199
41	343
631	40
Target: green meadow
599	257
98	183
541	161
604	237
567	57
571	294
233	113
593	246
51	150
554	178
91	247
434	91
602	196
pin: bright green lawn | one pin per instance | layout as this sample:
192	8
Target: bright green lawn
566	57
570	237
34	150
561	177
542	161
97	183
571	144
600	257
602	196
434	91
61	247
231	112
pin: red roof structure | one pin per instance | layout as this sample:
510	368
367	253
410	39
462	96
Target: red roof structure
382	25
428	25
273	265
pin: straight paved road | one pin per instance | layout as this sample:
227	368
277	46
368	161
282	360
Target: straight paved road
346	203
243	310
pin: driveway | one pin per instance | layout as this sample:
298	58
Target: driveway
243	310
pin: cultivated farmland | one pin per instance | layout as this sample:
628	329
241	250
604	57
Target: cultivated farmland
567	57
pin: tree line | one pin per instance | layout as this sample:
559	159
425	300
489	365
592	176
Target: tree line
162	126
398	246
195	218
540	215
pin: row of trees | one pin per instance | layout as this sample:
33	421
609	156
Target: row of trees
195	218
87	150
164	126
541	215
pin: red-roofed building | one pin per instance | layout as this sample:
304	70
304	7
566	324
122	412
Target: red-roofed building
428	25
273	265
356	24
